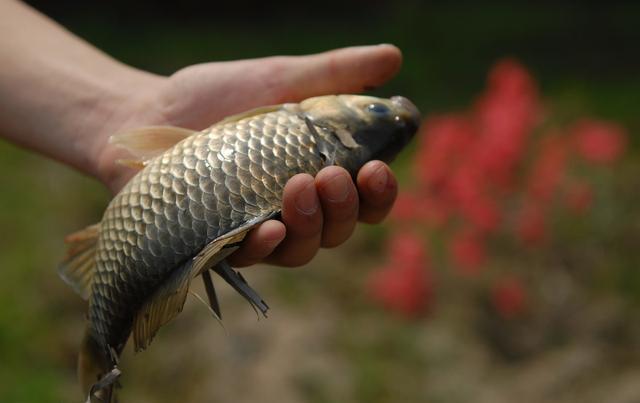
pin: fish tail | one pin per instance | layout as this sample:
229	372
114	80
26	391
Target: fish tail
97	371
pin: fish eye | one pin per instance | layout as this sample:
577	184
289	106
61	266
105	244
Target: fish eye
378	109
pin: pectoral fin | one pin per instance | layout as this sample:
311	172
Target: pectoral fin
235	280
211	293
168	300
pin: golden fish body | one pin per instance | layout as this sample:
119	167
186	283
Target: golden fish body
191	204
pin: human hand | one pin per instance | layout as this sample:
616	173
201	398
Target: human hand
317	212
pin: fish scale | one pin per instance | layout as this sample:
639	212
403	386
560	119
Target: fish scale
195	198
191	212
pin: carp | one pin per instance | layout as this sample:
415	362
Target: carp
196	196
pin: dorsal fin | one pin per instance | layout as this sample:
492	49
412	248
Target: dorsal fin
147	142
78	266
252	112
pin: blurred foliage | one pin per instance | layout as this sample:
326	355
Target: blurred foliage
324	341
504	197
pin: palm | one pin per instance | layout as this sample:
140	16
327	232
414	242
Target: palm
199	95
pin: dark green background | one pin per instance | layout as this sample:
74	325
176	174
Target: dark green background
582	49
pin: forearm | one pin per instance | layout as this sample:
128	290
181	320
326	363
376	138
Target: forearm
58	94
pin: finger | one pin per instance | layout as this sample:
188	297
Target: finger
302	216
345	70
339	200
258	244
378	190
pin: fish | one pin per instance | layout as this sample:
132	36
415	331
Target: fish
193	200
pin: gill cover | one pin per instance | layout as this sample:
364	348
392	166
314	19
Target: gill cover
379	128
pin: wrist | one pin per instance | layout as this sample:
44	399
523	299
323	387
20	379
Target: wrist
129	100
62	97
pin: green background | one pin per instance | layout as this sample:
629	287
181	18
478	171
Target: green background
324	342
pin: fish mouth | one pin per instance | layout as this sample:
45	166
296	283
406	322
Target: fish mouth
408	112
408	120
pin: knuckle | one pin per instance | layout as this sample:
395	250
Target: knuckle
341	212
337	235
307	227
298	259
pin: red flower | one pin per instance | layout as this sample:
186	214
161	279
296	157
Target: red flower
469	168
549	167
530	223
413	208
467	251
406	207
406	289
407	248
505	115
443	146
509	297
404	285
599	142
579	197
434	211
482	212
466	190
510	78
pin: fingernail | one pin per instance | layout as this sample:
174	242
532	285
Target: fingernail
379	179
337	189
307	200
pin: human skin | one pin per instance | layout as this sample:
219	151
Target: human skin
63	98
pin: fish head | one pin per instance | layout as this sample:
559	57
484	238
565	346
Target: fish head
373	128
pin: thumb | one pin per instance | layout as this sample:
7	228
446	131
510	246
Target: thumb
202	94
346	70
